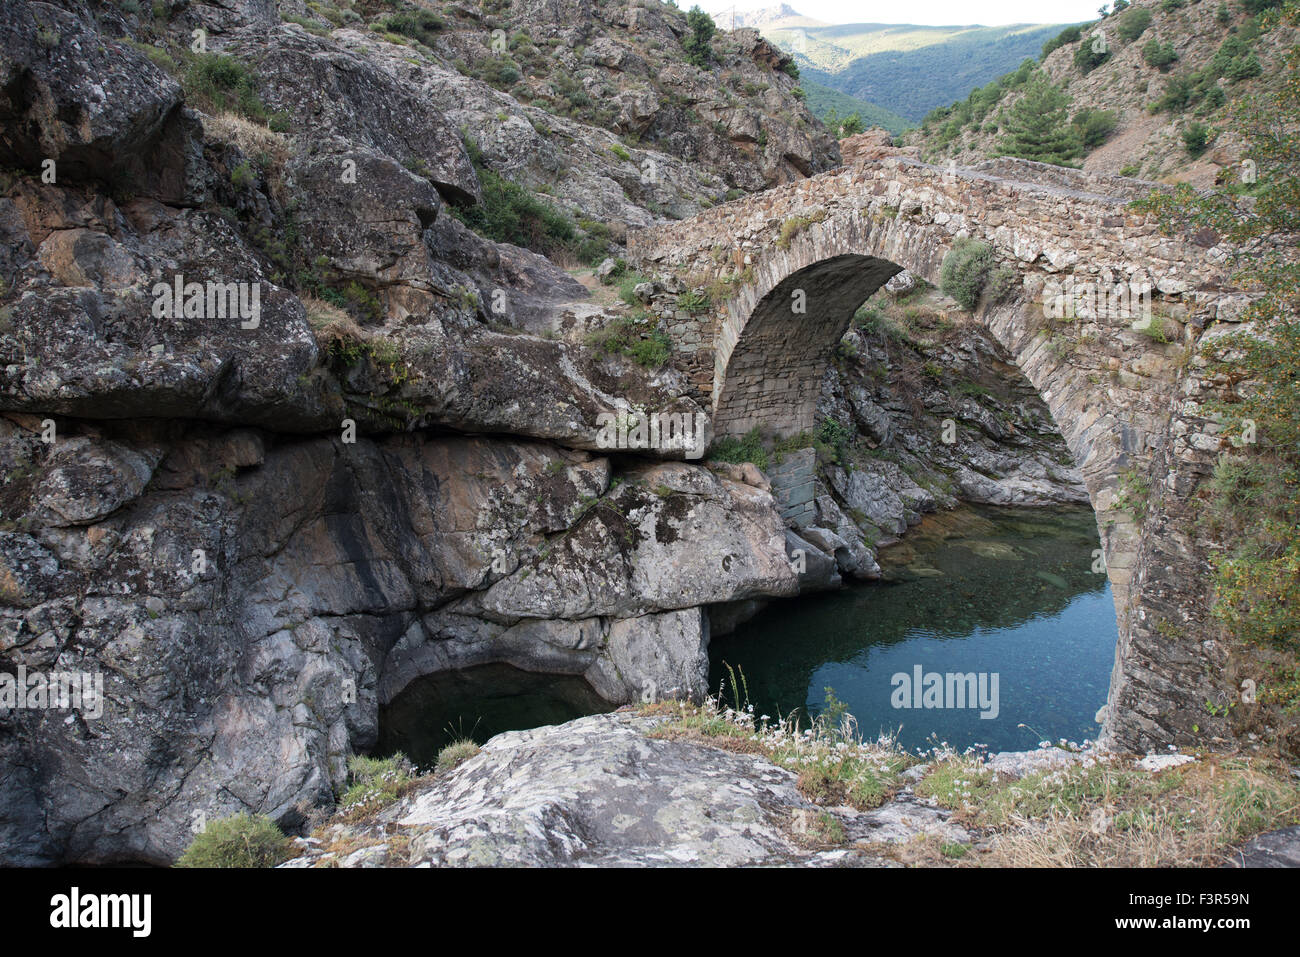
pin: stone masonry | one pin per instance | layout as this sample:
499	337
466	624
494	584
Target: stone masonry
1123	384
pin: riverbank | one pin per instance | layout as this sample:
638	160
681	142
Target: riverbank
677	784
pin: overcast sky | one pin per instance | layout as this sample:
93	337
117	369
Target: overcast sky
932	12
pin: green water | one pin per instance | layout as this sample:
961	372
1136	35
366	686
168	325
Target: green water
981	590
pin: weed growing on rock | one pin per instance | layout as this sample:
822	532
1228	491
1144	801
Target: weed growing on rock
242	840
456	753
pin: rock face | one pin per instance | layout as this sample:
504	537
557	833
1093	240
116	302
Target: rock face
253	600
93	109
1274	849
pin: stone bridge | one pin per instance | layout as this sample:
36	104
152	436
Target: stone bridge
797	261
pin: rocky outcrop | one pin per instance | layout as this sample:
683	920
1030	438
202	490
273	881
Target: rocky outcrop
91	109
599	791
252	601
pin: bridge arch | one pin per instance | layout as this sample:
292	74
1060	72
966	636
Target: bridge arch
1124	401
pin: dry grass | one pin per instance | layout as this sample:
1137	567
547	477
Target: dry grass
1101	813
252	139
1114	815
330	323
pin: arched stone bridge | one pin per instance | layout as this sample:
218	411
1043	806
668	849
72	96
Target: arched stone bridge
1125	401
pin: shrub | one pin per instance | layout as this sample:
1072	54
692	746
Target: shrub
790	68
619	150
220	83
1158	54
1092	53
965	270
1094	126
420	24
1133	23
694	303
696	42
1036	127
511	213
747	448
1196	137
374	782
242	840
241	177
1243	68
628	337
1068	35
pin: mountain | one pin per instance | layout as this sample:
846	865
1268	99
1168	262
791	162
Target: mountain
905	68
822	100
1148	102
782	15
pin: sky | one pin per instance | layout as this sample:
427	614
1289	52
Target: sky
928	12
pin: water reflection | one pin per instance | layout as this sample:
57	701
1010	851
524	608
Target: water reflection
981	590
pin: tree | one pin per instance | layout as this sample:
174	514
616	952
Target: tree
696	43
1037	127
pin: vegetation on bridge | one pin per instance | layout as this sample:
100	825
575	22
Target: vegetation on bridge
1254	499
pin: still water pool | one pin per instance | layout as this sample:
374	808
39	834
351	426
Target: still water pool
1008	595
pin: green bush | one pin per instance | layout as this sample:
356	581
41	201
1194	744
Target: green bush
1196	137
243	840
694	303
747	448
1094	126
696	42
1158	54
965	271
374	782
1068	35
1244	67
510	213
632	338
420	24
1092	53
1133	23
1036	127
218	83
241	177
